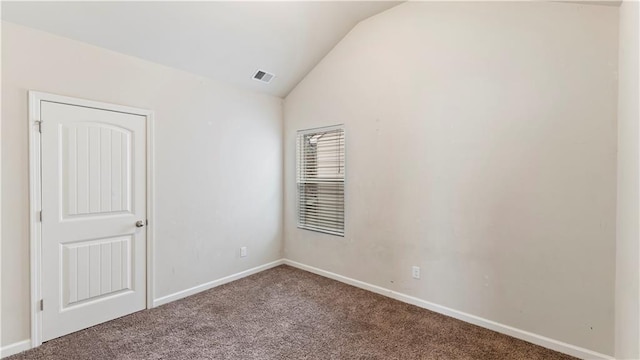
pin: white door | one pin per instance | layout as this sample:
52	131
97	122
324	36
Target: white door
93	194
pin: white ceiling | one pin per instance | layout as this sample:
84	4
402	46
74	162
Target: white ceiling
226	41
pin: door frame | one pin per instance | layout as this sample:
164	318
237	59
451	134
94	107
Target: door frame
35	197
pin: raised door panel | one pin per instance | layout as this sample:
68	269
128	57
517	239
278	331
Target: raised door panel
96	171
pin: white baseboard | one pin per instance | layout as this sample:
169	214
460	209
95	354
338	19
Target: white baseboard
15	348
543	341
211	284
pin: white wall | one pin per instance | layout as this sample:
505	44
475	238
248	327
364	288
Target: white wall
218	162
628	249
481	146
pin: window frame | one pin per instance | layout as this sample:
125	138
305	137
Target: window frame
303	132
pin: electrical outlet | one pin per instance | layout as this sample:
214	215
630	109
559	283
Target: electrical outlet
243	251
415	272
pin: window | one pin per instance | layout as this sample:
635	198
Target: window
320	179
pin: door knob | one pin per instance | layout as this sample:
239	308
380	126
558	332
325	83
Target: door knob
139	223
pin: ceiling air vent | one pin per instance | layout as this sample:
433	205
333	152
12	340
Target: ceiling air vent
263	76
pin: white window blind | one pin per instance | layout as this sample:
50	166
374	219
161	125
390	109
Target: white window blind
320	179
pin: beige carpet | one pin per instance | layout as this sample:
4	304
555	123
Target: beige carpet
285	313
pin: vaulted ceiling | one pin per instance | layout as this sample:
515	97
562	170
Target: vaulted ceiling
226	41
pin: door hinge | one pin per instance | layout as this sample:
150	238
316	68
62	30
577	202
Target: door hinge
39	125
40	216
146	222
41	304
